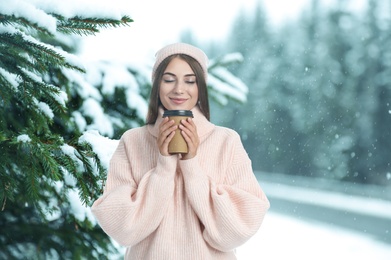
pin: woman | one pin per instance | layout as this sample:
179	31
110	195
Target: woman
198	205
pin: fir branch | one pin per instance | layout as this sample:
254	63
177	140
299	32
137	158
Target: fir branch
6	91
4	203
67	164
88	180
79	29
105	23
7	182
37	89
3	136
49	163
40	54
88	26
32	176
10	61
12	19
42	57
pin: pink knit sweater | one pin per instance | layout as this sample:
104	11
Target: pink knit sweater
163	208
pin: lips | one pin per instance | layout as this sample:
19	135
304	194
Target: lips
178	101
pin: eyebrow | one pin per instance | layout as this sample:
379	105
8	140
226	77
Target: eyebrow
172	74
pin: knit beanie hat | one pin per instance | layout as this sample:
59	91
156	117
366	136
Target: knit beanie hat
181	48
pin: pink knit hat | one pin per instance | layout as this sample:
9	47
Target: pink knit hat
181	48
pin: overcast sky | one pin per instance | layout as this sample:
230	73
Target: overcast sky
157	23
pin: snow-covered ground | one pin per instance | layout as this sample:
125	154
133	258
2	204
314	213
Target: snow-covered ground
283	237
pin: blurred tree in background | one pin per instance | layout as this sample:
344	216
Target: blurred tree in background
319	92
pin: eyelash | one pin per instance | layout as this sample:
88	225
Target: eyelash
170	81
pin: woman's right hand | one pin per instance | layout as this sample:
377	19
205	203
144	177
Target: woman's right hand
166	133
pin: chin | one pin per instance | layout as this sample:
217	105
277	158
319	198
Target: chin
179	107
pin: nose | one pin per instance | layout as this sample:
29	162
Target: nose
179	87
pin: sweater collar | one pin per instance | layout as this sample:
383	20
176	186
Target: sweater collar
204	127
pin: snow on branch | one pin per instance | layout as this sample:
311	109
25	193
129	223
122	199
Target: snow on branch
228	59
70	17
30	14
227	76
103	147
10	78
223	84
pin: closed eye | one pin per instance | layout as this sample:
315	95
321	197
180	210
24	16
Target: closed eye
190	79
168	80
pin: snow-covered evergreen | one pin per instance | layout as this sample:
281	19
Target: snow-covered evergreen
319	91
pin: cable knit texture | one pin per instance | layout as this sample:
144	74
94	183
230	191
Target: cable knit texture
163	208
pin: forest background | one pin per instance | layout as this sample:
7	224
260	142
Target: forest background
319	92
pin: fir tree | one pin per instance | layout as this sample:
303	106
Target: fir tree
42	162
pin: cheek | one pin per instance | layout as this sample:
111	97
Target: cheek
195	94
194	97
163	96
162	91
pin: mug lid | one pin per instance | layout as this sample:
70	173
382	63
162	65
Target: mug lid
178	113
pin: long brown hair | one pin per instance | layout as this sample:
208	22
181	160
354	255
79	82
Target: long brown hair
154	99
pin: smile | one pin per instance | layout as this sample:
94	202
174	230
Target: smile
178	100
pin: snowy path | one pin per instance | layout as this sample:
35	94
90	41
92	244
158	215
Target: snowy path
287	237
282	237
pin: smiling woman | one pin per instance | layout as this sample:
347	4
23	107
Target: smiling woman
176	67
199	204
178	89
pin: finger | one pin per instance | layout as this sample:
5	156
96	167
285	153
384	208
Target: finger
191	144
189	128
168	139
166	127
189	133
163	147
189	123
166	123
188	138
166	134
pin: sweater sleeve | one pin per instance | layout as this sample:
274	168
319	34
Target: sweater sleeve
231	212
129	212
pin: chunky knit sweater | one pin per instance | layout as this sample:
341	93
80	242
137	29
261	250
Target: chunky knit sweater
163	208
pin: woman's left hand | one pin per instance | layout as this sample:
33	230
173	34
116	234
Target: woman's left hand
189	133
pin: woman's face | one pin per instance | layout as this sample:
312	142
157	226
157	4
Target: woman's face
178	88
